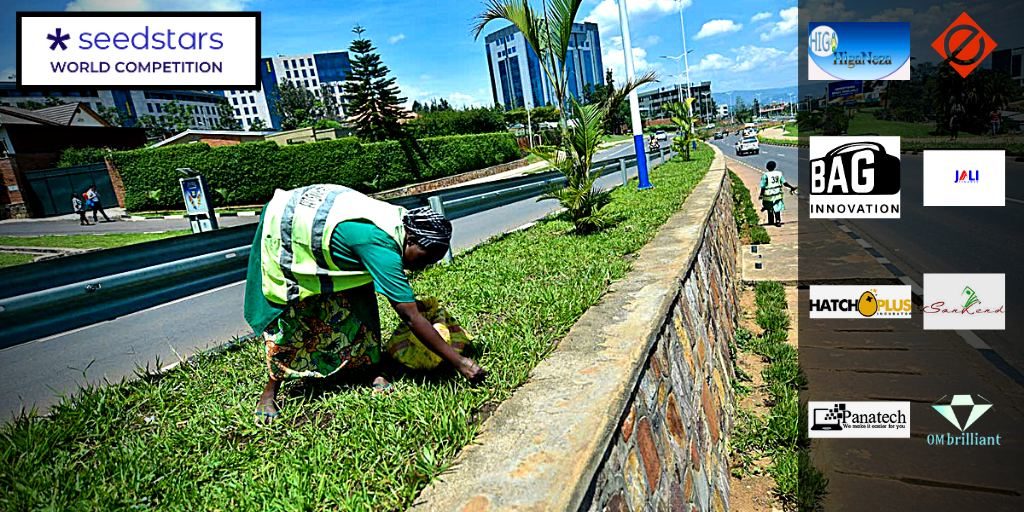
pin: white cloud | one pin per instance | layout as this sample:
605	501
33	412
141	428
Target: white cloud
615	58
756	57
786	25
711	62
761	16
396	38
606	12
716	27
652	40
156	5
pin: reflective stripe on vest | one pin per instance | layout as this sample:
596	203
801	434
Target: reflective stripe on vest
295	243
773	186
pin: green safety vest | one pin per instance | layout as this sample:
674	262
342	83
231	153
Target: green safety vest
773	186
296	239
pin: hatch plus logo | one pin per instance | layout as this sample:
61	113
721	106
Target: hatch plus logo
855	177
852	301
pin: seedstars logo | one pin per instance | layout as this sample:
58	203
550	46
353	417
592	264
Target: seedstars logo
962	411
58	39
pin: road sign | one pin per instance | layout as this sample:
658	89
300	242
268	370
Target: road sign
197	203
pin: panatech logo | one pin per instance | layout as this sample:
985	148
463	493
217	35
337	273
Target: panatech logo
858	419
858	51
962	411
851	301
964	45
855	177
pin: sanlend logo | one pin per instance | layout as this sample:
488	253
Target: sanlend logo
965	177
858	419
139	49
964	301
855	177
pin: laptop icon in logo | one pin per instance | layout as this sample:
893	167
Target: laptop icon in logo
829	419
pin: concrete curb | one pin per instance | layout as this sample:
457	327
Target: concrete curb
582	388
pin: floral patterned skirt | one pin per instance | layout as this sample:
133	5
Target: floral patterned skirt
323	334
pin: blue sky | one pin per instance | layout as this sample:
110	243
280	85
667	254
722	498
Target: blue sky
740	44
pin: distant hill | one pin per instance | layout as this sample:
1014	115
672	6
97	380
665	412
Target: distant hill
763	95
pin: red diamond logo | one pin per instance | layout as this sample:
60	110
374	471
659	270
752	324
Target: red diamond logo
964	45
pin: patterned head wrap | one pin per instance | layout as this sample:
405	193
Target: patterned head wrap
428	228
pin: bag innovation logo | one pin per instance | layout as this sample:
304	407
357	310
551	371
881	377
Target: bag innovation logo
217	50
855	178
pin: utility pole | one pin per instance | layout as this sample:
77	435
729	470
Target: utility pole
634	104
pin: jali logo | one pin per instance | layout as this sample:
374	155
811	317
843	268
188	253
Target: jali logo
966	176
962	411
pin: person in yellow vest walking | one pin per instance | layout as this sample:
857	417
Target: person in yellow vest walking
319	254
772	200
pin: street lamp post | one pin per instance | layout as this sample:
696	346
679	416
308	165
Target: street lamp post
686	62
634	103
679	61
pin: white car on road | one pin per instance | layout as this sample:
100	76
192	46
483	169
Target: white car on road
748	146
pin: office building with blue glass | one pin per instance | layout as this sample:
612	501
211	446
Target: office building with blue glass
318	73
516	76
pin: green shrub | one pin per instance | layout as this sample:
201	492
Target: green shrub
249	172
747	222
457	122
72	157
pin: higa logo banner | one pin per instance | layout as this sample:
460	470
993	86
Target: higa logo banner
855	178
139	49
964	302
852	301
965	177
858	419
858	51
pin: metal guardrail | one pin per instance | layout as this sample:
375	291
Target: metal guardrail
58	295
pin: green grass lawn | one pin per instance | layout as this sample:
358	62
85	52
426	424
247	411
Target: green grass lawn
792	130
93	241
10	259
186	440
616	138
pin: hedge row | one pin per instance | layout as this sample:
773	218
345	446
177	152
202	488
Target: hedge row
248	173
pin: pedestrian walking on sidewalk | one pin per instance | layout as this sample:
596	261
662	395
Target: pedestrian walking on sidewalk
79	207
319	254
772	200
92	201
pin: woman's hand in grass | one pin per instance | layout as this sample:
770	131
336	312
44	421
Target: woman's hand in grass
473	372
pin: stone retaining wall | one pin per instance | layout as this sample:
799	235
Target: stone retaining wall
670	451
633	408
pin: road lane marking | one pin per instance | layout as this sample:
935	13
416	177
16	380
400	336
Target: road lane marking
969	337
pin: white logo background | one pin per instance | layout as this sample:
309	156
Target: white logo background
949	288
238	53
892	293
941	190
820	146
891	430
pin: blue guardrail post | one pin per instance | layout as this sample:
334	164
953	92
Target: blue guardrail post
641	162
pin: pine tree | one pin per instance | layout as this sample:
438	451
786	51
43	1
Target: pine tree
374	104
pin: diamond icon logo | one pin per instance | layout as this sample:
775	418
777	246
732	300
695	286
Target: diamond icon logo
962	410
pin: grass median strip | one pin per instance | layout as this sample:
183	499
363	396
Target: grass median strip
780	433
747	221
10	259
186	440
88	241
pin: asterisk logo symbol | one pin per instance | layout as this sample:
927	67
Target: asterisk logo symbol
58	39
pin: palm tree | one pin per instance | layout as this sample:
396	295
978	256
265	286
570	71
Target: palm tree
682	116
548	32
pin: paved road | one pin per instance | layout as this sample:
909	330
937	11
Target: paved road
70	226
784	156
34	373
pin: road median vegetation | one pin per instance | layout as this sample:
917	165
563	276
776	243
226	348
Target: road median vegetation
186	440
248	173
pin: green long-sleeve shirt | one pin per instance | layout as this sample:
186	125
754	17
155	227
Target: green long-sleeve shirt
355	245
